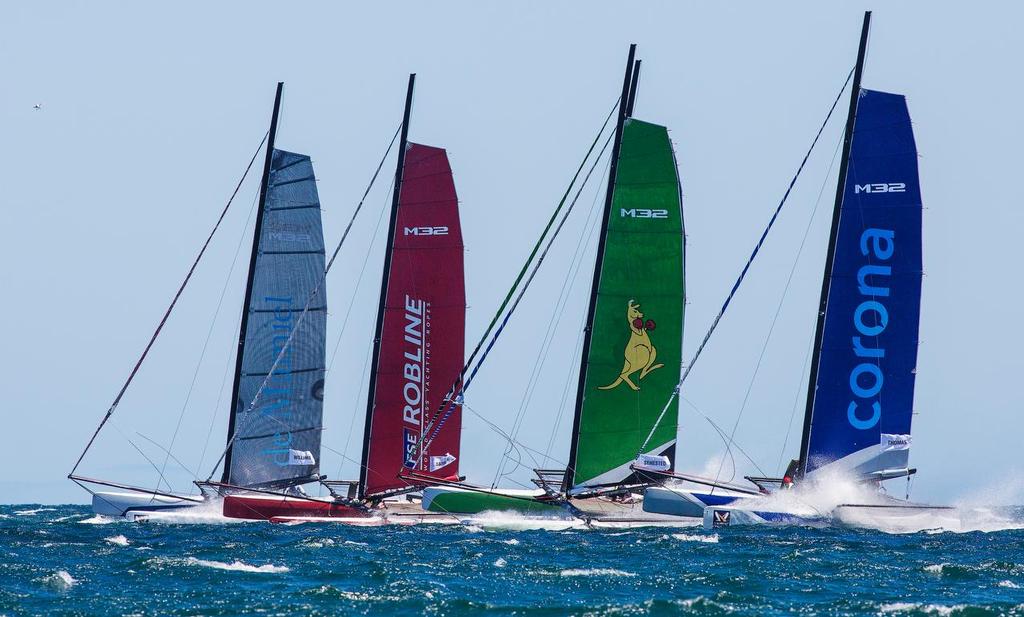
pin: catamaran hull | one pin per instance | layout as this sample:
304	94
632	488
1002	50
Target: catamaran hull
686	502
726	516
120	504
900	516
452	500
518	510
262	507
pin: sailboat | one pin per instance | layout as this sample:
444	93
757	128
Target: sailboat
632	344
861	383
275	444
418	347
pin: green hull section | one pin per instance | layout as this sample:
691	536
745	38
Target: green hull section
473	502
636	346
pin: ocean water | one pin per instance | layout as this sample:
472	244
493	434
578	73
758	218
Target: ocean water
61	560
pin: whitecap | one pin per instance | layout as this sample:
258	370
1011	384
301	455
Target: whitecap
594	572
935	568
511	541
686	537
33	512
237	566
500	563
916	607
118	540
354	543
98	520
59	580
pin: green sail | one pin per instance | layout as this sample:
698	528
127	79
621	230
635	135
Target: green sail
631	371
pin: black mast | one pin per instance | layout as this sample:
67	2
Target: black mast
628	92
399	171
632	89
257	230
819	331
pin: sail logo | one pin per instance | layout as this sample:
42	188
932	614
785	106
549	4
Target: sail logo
870	319
440	230
640	351
279	390
409	441
643	213
880	187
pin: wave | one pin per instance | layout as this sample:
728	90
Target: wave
686	537
59	580
919	608
33	511
99	519
118	540
237	566
594	572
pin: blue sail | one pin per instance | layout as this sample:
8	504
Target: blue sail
277	440
863	402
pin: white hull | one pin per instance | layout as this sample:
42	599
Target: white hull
128	504
895	517
690	503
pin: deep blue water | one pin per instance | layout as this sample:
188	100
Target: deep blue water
51	563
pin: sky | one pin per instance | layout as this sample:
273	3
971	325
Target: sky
150	114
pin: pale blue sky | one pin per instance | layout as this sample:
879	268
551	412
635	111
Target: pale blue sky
149	116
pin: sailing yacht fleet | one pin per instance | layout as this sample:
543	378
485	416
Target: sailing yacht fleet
621	466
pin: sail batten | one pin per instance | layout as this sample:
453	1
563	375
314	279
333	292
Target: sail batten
276	438
860	418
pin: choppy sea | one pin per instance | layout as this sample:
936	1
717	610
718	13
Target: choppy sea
62	560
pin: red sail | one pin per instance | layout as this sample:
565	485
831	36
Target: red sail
423	338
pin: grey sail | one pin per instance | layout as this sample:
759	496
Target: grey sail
276	441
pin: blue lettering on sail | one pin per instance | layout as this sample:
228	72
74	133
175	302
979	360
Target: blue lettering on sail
870	319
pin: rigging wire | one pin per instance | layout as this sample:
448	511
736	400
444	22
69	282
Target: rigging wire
568	282
810	344
775	321
229	363
451	402
451	399
746	267
170	307
202	357
305	310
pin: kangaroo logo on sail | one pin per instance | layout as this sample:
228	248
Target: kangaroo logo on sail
643	213
880	187
440	230
870	319
414	373
640	351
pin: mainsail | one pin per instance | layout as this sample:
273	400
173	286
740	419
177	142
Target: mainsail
421	329
276	440
423	337
860	417
633	351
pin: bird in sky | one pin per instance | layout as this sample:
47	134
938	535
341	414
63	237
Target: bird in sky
37	106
